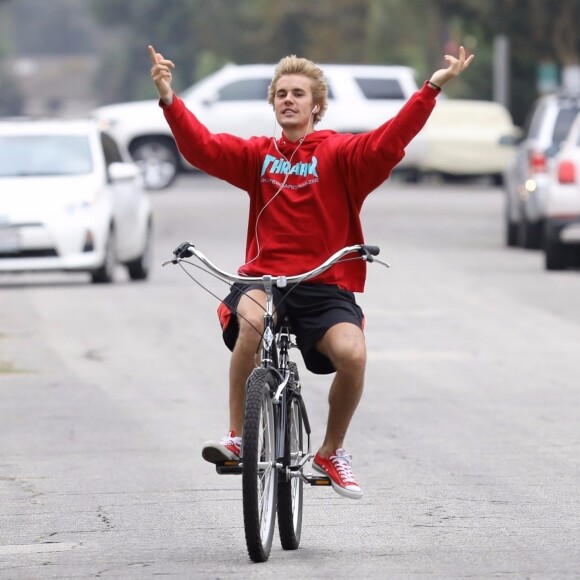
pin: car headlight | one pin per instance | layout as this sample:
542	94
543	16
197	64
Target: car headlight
84	203
74	207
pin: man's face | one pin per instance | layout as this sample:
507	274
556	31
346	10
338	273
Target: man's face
293	102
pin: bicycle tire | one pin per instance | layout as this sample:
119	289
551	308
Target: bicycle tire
291	490
259	472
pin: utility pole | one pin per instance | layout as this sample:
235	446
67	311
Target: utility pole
501	69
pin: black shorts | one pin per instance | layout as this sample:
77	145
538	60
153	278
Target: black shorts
311	308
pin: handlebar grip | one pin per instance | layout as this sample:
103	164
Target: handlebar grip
183	251
372	250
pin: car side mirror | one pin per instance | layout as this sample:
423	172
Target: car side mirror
122	172
210	100
509	140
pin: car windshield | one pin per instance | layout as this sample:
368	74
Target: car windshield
38	155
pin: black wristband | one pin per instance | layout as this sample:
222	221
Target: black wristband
434	85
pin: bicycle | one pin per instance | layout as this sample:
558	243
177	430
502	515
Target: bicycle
276	430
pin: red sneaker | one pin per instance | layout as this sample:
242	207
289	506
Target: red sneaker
338	466
228	449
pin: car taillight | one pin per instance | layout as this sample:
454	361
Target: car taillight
567	172
538	162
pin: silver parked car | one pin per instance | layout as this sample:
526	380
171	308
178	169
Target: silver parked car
562	221
526	179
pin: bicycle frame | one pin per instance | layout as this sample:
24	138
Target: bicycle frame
269	352
275	356
269	334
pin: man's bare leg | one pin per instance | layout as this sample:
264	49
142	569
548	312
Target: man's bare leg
244	355
345	346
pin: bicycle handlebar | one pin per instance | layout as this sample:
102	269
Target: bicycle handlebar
187	249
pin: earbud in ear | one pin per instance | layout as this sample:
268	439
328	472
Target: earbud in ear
315	110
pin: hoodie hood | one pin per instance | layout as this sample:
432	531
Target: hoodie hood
310	142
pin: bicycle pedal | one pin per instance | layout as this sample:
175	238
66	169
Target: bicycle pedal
229	467
318	480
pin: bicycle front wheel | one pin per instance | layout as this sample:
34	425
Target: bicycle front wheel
259	473
290	489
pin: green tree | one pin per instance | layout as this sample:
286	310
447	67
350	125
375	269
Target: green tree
169	25
201	35
540	31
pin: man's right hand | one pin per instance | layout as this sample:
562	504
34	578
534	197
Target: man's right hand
161	75
456	65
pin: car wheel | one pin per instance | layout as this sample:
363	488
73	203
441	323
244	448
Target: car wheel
530	234
533	235
412	176
511	234
105	273
139	269
556	252
158	160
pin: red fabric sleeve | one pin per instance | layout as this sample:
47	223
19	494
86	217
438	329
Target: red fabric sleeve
367	159
222	155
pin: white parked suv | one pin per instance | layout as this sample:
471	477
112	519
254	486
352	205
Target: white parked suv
234	100
562	219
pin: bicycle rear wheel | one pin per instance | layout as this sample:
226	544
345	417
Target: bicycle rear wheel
291	489
259	473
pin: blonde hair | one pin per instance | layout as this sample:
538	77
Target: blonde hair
292	65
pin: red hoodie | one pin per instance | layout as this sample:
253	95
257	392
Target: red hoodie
317	212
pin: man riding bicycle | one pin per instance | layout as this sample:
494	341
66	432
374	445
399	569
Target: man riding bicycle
306	192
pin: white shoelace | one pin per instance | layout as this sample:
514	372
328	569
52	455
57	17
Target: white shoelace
229	440
343	463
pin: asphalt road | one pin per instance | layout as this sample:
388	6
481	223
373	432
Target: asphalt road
467	440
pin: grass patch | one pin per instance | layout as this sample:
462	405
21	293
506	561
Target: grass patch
8	368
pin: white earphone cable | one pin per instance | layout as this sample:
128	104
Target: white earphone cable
279	190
